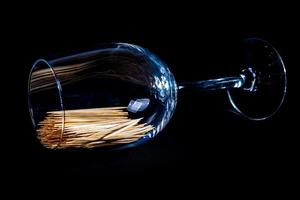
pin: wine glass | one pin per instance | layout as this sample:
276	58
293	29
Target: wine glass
122	95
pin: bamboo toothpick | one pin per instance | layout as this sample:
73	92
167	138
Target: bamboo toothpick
89	128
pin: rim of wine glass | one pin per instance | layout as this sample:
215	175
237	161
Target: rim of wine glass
58	87
284	88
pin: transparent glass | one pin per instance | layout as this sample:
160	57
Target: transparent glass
122	95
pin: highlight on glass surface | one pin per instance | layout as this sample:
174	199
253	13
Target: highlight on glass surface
122	95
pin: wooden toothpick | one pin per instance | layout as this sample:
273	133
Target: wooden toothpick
89	128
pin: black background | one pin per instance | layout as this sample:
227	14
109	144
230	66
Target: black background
204	141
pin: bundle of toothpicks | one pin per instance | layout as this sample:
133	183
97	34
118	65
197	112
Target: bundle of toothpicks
89	128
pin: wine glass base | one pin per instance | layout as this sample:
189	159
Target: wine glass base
265	85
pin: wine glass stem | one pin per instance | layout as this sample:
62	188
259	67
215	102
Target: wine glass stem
215	84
